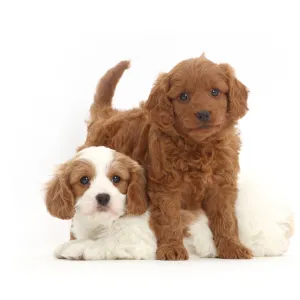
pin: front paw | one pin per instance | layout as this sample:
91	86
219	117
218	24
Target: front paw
171	252
72	250
231	249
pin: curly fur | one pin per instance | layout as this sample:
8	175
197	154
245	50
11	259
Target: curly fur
190	164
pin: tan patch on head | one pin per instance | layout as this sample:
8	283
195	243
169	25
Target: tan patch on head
132	183
78	170
120	166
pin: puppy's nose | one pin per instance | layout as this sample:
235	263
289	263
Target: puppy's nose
203	115
103	199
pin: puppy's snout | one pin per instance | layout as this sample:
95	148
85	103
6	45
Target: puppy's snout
203	115
103	199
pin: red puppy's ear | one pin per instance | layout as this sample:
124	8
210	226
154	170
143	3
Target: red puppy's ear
158	104
59	196
137	203
237	96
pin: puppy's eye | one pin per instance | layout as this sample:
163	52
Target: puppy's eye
184	97
116	179
84	180
215	92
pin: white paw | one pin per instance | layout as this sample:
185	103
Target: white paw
73	250
80	250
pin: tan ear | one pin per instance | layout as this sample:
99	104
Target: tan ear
59	195
159	105
137	203
237	96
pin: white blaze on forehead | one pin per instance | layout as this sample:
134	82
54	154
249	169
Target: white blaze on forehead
101	157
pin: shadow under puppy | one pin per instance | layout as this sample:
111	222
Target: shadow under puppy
105	193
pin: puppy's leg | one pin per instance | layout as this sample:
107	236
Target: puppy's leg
106	248
219	206
167	225
83	250
112	248
72	250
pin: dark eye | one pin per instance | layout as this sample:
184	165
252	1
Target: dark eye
184	97
84	180
215	92
116	179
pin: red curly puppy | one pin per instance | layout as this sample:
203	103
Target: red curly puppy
184	135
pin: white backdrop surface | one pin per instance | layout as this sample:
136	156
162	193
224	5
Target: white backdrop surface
52	54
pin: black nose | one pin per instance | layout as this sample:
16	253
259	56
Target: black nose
203	115
103	199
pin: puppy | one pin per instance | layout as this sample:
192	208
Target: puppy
185	137
97	180
104	192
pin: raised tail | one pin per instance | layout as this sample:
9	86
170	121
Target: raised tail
106	88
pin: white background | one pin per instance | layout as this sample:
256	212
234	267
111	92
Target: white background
52	54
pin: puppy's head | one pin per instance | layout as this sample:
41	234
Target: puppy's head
197	99
99	182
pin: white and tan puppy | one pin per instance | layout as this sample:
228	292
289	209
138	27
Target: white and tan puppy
104	192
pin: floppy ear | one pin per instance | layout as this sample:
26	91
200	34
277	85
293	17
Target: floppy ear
159	105
59	195
137	201
237	96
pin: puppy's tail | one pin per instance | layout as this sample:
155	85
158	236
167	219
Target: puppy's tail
106	88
